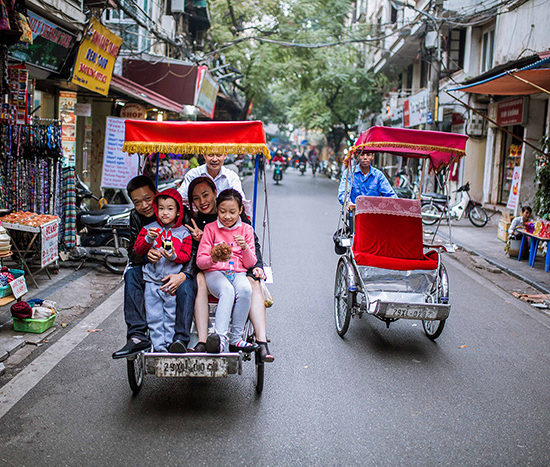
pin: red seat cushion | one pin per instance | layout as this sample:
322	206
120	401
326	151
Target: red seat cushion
388	234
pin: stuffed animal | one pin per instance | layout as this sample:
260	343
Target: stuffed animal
221	252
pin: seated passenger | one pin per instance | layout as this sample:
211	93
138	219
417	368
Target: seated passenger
202	193
173	240
225	272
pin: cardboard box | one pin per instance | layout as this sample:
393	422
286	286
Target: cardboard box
507	217
502	230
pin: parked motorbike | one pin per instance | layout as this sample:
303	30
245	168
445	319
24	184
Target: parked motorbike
277	172
104	233
436	206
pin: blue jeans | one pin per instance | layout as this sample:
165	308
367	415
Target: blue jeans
134	310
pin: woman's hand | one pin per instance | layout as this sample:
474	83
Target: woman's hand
173	281
196	233
153	255
239	239
258	273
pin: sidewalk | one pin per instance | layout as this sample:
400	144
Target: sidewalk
74	292
483	242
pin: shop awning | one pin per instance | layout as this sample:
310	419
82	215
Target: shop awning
137	91
531	79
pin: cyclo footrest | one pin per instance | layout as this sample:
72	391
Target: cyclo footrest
423	311
194	365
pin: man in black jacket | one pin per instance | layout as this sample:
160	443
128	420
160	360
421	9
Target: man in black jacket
141	190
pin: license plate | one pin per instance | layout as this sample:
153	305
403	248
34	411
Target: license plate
189	366
411	312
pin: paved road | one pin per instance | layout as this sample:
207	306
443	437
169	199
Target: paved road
379	397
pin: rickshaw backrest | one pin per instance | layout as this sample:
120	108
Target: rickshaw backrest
388	227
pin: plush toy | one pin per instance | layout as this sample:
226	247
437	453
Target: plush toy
221	252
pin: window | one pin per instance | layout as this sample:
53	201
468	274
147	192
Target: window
393	15
135	38
424	73
410	70
455	50
487	50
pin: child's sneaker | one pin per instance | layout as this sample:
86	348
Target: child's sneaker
243	346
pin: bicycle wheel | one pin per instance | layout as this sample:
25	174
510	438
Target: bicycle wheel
342	299
260	372
434	328
478	216
135	373
430	214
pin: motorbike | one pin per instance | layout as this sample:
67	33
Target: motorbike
302	168
435	206
314	166
277	173
104	233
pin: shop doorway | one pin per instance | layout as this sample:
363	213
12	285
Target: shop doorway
511	158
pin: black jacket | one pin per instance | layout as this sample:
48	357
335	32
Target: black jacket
137	222
203	219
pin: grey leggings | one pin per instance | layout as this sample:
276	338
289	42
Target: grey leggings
228	292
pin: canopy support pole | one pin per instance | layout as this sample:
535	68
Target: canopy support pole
468	106
523	80
157	176
256	173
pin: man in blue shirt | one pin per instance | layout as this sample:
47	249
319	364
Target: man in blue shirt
367	181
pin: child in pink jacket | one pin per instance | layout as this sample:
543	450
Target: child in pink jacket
226	274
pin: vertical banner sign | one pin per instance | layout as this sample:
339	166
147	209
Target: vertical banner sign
118	167
514	189
96	58
67	102
206	91
17	77
49	234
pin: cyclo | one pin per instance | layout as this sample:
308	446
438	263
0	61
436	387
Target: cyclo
385	269
150	138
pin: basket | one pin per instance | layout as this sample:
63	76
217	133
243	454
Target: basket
36	326
6	290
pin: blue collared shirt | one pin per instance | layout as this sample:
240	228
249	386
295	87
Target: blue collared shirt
372	184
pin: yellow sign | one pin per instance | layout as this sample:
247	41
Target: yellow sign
96	58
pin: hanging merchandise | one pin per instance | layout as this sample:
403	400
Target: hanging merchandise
29	160
68	227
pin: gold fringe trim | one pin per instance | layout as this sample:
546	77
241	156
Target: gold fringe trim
142	147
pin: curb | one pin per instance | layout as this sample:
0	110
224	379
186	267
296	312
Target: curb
506	269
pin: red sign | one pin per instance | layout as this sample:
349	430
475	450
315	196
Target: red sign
511	112
406	114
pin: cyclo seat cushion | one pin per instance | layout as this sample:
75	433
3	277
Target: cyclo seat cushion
388	234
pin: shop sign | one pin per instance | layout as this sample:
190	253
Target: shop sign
67	103
206	91
514	189
83	110
406	114
17	77
417	109
50	48
118	167
511	112
133	111
18	287
49	234
96	58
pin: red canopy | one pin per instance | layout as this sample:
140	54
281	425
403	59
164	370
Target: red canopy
148	137
440	147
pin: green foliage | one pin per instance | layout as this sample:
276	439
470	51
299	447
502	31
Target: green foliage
541	204
318	88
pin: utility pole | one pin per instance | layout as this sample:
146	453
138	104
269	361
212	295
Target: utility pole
435	69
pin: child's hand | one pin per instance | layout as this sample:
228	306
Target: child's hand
166	254
240	241
153	232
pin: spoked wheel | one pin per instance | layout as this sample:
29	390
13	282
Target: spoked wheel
259	377
343	299
478	216
136	372
434	328
430	214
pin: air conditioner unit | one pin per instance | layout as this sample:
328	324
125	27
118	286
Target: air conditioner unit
168	26
476	125
177	6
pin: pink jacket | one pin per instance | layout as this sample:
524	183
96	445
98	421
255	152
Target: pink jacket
215	233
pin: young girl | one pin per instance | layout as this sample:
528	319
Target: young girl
226	279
